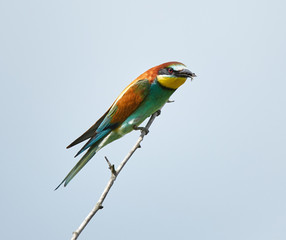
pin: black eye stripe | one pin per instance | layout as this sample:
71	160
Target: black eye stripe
166	71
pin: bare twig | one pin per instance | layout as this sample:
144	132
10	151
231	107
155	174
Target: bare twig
114	174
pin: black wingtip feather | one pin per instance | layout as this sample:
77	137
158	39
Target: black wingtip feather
89	133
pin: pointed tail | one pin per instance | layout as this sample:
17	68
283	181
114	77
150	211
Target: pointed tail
81	163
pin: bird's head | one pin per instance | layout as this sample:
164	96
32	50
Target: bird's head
173	74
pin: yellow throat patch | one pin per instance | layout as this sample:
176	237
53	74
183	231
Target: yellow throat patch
171	82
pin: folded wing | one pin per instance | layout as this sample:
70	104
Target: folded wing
127	102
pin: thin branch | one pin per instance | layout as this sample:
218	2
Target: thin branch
114	174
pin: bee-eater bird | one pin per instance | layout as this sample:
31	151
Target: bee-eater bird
140	99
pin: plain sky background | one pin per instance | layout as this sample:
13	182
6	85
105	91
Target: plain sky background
213	165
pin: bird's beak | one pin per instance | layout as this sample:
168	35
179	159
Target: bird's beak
186	73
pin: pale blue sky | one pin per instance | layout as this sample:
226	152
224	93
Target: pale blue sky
213	165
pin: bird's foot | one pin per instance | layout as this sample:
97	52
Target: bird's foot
142	129
158	112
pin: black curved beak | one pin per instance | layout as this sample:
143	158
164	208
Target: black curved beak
186	73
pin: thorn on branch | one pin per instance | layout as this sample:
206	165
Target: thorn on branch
109	164
99	206
111	167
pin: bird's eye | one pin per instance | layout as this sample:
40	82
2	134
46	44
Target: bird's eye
170	70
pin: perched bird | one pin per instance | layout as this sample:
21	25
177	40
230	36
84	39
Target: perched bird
140	99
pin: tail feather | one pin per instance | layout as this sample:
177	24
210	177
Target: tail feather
93	140
81	163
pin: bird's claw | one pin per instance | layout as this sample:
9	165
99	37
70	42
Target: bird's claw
142	129
158	112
